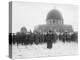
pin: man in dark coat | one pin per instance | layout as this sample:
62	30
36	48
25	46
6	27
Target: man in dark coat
68	37
54	37
37	36
60	37
49	41
64	36
74	37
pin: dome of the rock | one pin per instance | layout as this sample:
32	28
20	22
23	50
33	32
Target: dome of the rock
54	14
54	22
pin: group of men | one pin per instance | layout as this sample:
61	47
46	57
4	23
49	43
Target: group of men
39	38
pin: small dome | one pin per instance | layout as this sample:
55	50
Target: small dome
23	30
54	14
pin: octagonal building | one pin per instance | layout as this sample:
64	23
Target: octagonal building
54	22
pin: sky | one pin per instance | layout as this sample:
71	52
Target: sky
32	14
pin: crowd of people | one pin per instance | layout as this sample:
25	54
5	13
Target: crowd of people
40	38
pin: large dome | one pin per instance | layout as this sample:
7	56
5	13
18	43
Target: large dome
54	14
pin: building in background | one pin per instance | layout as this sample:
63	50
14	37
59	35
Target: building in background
54	22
